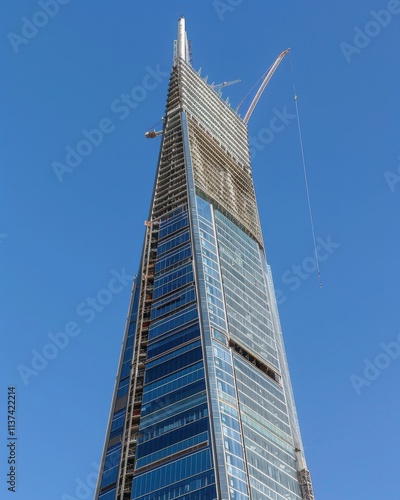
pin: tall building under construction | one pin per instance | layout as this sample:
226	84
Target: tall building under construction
203	406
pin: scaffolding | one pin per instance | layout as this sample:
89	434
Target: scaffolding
135	397
171	186
305	484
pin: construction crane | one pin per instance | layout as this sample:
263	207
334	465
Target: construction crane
219	86
152	133
267	78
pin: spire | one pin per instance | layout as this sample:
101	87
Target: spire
182	46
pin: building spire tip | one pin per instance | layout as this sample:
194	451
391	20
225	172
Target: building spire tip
182	45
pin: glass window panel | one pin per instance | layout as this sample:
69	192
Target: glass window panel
173	422
173	397
171	473
172	341
167	324
173	354
173	437
109	495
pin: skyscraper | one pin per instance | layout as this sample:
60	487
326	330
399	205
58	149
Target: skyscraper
203	405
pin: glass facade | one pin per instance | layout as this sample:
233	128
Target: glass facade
203	407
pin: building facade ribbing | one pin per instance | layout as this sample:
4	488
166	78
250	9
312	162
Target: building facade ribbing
203	406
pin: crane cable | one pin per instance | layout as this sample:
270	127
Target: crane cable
305	172
251	90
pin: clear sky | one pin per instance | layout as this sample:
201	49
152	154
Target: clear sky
70	234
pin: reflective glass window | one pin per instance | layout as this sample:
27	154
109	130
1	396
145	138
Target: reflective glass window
171	473
170	450
173	422
173	397
172	242
164	345
174	257
179	382
198	487
172	302
175	436
180	406
171	323
109	495
173	354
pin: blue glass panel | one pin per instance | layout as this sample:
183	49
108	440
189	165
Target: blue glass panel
172	275
129	341
200	487
109	477
172	302
171	450
173	354
179	382
172	243
172	341
111	466
173	437
173	397
118	420
112	457
180	406
173	322
128	354
230	422
126	369
233	447
174	257
109	495
173	422
227	388
237	484
173	365
171	473
174	376
173	222
179	223
173	280
123	387
203	208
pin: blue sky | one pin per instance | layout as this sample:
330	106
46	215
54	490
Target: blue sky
65	242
